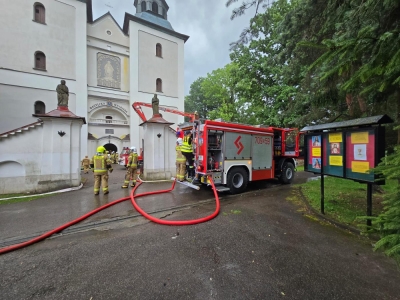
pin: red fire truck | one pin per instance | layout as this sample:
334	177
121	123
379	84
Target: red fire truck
234	154
124	155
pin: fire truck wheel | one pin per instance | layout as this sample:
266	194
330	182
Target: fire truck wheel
287	173
237	180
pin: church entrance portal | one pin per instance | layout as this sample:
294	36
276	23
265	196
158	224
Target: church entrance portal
111	147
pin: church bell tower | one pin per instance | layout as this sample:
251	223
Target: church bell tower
157	7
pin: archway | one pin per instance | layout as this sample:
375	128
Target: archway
111	147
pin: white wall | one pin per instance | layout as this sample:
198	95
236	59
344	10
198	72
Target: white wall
116	44
81	69
18	102
41	160
160	165
150	37
152	67
21	37
62	39
99	28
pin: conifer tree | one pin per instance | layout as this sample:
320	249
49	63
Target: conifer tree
387	224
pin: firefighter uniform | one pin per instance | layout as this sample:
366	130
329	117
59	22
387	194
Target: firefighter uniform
101	165
187	151
86	164
113	157
116	158
180	161
131	173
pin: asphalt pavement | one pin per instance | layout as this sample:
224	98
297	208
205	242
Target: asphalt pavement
260	246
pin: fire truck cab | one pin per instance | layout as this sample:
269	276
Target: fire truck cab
234	154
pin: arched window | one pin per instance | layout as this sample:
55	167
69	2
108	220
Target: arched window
108	119
39	13
40	60
143	4
154	7
159	85
40	108
159	50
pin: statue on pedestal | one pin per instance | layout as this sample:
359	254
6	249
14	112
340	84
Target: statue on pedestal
62	94
155	103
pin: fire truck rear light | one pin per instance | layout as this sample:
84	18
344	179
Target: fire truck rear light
200	168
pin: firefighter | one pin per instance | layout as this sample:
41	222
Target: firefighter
187	151
86	164
180	161
113	157
116	158
131	173
100	165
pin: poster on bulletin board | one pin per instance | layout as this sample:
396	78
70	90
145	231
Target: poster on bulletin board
314	162
334	151
361	154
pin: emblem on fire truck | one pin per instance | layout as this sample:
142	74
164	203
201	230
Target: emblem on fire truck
239	145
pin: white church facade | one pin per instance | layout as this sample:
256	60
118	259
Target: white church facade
106	68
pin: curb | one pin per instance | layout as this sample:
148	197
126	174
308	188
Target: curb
55	192
325	218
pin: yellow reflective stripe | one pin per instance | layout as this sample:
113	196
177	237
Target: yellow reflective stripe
179	156
99	163
185	145
132	160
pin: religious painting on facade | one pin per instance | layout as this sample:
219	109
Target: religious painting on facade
108	71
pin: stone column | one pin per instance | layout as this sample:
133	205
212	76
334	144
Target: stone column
159	149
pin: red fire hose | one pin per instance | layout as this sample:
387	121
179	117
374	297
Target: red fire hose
166	222
132	197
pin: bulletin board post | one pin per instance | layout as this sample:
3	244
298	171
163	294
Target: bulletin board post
322	180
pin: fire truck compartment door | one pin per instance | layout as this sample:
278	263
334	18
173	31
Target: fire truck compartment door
237	145
262	152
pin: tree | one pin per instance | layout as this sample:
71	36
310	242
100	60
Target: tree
246	34
196	100
220	89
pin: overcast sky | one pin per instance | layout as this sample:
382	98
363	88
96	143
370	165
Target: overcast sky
207	22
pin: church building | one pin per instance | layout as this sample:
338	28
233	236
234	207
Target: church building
106	68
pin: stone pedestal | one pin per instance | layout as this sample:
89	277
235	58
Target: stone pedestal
159	149
61	147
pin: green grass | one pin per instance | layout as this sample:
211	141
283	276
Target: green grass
300	168
345	200
16	200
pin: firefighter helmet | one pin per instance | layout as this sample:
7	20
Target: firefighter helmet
179	141
101	149
133	149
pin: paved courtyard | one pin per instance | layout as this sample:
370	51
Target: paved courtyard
260	246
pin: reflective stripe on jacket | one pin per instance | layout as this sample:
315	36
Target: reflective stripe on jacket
132	160
100	164
186	147
179	156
